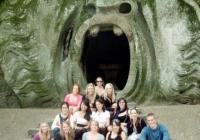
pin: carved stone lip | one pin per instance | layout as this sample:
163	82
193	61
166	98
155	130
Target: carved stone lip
101	20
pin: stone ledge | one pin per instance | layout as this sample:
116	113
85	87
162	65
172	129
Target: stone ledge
182	120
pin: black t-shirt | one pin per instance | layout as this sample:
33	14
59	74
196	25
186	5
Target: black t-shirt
107	102
122	119
116	138
139	126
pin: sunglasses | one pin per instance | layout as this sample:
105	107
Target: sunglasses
99	81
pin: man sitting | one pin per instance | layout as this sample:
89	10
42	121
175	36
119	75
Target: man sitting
154	130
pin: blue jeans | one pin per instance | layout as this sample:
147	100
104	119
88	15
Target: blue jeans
55	132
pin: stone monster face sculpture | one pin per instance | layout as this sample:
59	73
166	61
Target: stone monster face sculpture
148	49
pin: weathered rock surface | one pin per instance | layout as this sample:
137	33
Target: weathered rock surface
42	44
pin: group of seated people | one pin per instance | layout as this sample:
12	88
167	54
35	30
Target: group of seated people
97	115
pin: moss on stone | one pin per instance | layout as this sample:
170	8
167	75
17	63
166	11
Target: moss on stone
189	11
33	37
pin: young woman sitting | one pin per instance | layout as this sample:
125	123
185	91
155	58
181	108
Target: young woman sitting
74	99
90	95
66	132
122	113
117	133
93	133
64	115
81	120
99	88
110	99
44	132
102	116
135	125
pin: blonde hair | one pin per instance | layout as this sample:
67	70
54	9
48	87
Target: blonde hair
86	90
42	135
69	135
113	91
96	123
134	108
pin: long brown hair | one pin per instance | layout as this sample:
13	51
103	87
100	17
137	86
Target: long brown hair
79	88
117	123
138	120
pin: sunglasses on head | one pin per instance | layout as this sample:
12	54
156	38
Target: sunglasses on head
116	121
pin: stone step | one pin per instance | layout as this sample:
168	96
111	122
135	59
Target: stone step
182	120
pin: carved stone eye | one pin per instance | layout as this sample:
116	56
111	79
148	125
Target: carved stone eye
90	9
125	8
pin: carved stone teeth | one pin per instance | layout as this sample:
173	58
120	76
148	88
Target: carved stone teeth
117	31
94	31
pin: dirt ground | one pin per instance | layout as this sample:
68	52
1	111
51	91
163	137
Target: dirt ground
183	121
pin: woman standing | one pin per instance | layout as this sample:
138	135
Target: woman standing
117	133
81	120
74	99
93	133
135	125
44	132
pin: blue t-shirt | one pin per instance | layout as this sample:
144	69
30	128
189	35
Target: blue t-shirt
160	133
86	136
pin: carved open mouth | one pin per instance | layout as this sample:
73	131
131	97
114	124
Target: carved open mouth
106	53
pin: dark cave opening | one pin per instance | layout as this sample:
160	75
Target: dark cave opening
106	55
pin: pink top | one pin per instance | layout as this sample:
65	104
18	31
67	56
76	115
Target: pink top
73	100
37	137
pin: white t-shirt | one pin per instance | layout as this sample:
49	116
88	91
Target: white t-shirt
78	119
56	121
101	117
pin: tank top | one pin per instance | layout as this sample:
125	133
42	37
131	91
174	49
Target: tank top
116	138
